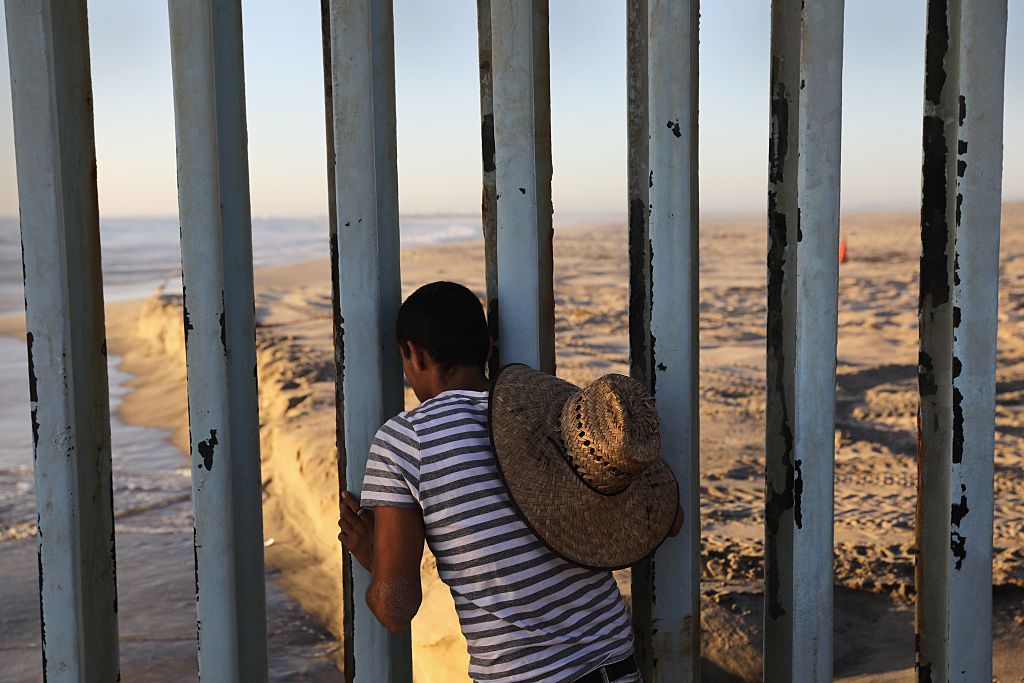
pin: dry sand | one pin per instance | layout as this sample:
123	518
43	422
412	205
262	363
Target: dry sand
876	407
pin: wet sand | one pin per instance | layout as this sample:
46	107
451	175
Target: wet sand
156	609
155	577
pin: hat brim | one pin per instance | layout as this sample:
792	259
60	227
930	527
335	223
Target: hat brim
589	528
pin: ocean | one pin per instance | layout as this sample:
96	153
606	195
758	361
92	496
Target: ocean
142	254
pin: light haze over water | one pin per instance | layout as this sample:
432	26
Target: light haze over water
140	257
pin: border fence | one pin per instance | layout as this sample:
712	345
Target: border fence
960	210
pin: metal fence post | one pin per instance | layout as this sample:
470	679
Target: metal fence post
522	160
960	209
367	285
48	44
803	240
348	651
220	347
670	594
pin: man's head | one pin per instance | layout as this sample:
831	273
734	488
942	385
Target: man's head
442	334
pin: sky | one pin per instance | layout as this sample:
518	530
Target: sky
438	107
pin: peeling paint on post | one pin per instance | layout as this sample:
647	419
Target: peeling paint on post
488	201
522	160
672	577
367	284
803	273
639	179
960	208
216	259
51	89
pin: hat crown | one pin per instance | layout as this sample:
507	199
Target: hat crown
579	507
610	432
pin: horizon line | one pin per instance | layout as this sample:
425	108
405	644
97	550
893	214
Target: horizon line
622	215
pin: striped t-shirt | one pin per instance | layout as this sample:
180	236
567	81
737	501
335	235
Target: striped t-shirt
527	614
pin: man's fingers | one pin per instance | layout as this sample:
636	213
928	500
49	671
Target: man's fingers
350	515
350	518
354	527
358	546
349	538
351	501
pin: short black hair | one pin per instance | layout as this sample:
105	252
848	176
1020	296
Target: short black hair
447	320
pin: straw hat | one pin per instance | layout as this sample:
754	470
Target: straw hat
583	466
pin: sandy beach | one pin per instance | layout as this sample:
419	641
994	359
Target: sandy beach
875	462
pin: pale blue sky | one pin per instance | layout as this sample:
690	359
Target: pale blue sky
438	106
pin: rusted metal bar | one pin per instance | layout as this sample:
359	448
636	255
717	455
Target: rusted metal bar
220	345
960	209
489	195
51	87
522	160
673	579
365	259
803	272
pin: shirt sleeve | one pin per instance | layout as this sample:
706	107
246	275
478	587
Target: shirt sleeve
392	474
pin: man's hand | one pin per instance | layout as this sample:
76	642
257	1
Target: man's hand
356	530
396	538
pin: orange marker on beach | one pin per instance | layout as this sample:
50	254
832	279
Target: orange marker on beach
842	250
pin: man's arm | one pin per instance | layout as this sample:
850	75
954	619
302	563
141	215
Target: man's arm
394	595
388	542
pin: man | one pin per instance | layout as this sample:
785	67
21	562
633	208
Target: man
528	613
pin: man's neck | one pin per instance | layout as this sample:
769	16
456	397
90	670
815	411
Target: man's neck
464	378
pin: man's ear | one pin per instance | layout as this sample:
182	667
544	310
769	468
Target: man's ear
418	356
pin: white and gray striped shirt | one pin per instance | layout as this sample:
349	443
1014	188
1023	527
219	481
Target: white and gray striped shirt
527	614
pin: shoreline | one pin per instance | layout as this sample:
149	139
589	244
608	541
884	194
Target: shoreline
875	468
156	595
